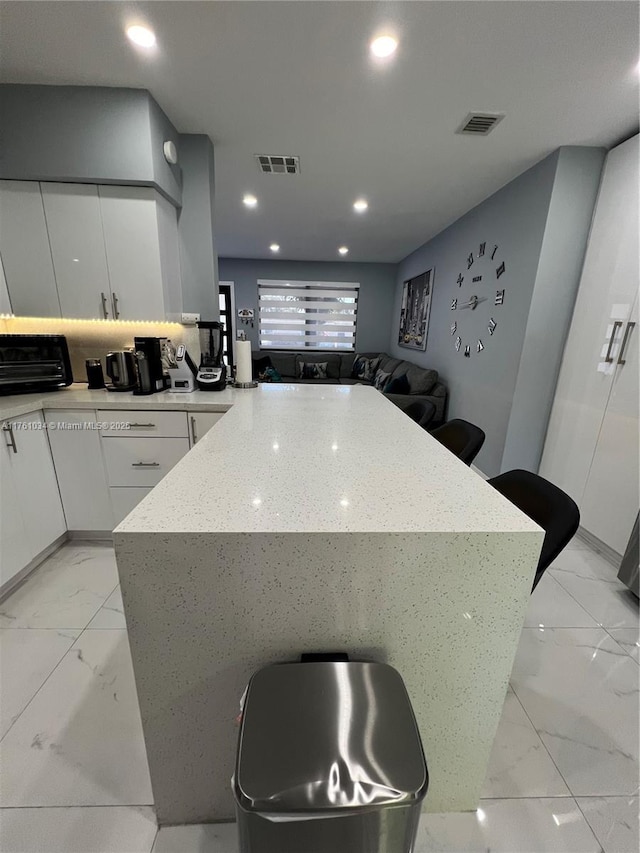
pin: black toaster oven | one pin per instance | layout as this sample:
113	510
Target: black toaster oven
34	363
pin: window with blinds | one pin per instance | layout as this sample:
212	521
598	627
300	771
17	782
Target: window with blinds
307	314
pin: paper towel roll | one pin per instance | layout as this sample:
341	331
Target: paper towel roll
243	361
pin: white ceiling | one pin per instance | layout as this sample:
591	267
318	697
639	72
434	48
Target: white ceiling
296	78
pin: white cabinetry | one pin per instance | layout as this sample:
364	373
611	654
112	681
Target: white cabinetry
141	239
77	248
34	498
5	301
25	251
200	423
591	450
77	455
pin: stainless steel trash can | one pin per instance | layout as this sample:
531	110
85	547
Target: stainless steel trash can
329	761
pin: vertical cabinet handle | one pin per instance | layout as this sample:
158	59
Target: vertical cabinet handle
625	341
105	314
116	312
617	325
12	439
193	429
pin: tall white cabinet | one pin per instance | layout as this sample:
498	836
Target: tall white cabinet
591	449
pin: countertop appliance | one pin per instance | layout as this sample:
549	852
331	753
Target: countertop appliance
144	383
212	373
34	363
183	371
151	348
121	370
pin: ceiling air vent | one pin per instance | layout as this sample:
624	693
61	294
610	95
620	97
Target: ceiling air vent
278	164
480	124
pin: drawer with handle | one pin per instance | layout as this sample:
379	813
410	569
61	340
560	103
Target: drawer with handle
139	461
134	424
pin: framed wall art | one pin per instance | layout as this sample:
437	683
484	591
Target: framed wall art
415	310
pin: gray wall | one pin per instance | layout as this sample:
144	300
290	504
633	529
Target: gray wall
198	259
86	134
375	303
501	389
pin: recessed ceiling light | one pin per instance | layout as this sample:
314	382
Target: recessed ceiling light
274	247
343	250
249	201
142	36
360	205
384	46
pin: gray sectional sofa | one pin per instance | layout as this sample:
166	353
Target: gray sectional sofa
422	384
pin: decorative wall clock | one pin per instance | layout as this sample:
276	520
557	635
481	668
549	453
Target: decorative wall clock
480	295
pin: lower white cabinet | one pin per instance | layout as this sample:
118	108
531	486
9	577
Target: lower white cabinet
200	423
124	500
138	462
77	454
30	494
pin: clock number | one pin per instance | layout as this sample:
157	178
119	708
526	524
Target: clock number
481	250
467	351
454	304
470	260
499	297
458	343
460	279
492	326
454	328
476	278
480	346
495	249
500	270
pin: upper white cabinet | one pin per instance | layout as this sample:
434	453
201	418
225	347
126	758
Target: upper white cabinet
74	223
591	450
141	240
25	250
88	251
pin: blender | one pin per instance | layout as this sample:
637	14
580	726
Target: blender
212	373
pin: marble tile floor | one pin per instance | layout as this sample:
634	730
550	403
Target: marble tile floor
563	773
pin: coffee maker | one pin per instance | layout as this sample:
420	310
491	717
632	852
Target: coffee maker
212	373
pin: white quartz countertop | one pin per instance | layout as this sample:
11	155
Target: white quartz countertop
78	396
320	458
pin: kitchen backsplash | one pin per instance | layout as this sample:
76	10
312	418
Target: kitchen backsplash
95	338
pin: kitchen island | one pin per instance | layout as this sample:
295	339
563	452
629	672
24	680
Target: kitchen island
316	517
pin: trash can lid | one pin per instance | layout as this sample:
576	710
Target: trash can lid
328	737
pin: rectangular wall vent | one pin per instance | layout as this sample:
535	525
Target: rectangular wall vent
480	124
278	164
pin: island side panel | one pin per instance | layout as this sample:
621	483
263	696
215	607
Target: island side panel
205	611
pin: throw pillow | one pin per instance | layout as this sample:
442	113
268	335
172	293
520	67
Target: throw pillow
312	370
381	379
271	375
399	385
365	368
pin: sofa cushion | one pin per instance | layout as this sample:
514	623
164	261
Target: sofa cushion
331	359
365	368
389	364
284	363
346	364
397	385
312	370
259	364
421	381
349	380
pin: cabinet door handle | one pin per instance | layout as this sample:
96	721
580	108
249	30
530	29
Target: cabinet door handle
12	439
145	464
105	314
617	325
116	313
193	429
625	341
141	426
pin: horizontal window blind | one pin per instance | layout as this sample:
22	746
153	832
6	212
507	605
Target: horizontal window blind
302	315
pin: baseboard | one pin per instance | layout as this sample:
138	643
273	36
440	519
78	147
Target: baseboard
91	536
18	579
598	545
